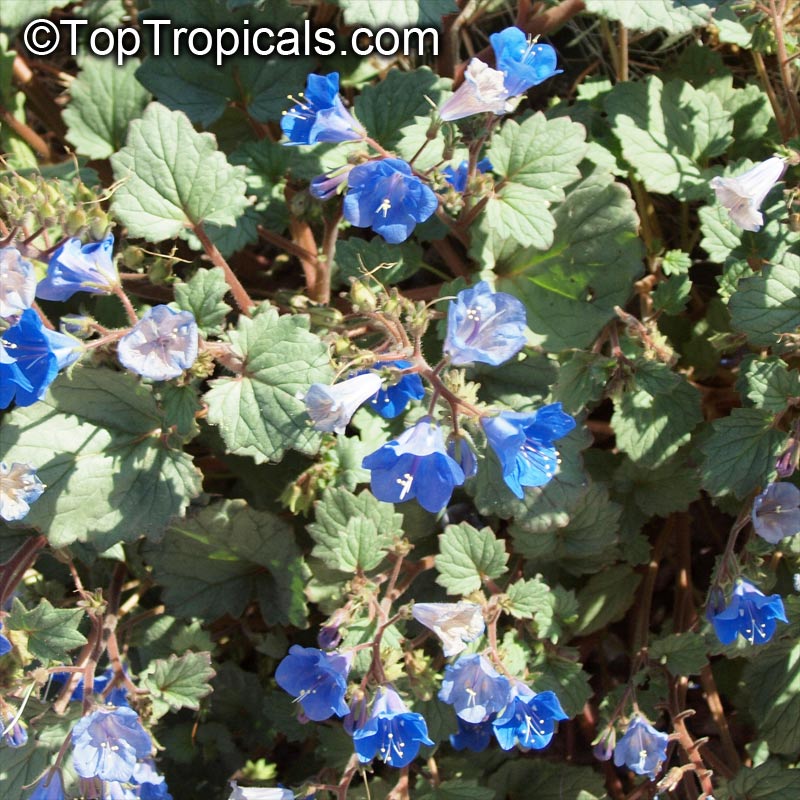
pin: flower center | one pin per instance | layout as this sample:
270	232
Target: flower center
405	482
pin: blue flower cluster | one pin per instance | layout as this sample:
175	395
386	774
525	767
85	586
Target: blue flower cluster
487	703
482	326
385	193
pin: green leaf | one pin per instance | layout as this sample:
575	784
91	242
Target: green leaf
522	779
515	215
740	453
682	653
390	106
387	263
173	177
229	554
522	383
655	419
584	544
178	681
181	405
109	472
571	289
672	295
605	598
259	412
255	83
14	14
457	789
671	486
402	14
768	304
668	132
582	380
773	686
104	101
529	598
203	295
354	532
467	557
769	781
674	16
768	384
541	154
566	678
676	262
51	632
203	91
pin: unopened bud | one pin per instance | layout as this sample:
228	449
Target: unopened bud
362	296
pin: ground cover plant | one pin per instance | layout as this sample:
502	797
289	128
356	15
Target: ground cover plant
414	425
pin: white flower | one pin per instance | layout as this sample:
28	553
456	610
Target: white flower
259	793
19	487
331	407
17	283
454	623
484	89
743	195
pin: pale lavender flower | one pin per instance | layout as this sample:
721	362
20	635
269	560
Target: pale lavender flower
19	487
484	89
744	194
454	623
776	512
161	345
259	793
17	283
332	407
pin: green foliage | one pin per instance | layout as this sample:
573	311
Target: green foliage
173	177
545	780
571	289
668	132
773	681
178	681
203	294
103	104
681	653
353	532
467	557
259	411
740	453
227	555
51	633
674	16
768	384
656	418
403	14
767	305
111	477
604	598
768	781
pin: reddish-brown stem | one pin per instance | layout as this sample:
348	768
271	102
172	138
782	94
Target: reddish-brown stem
761	69
26	134
240	295
127	305
789	87
11	571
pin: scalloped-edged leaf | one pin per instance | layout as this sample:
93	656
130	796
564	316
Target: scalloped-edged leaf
96	438
740	454
260	412
352	531
570	290
104	101
226	556
768	304
173	177
51	633
467	556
